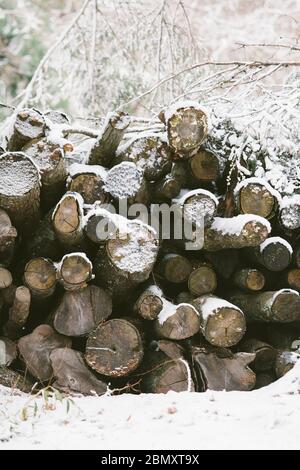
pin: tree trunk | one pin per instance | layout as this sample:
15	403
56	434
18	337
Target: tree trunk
67	219
8	351
177	321
40	277
249	279
104	149
29	124
222	323
115	348
88	181
149	304
72	375
8	235
20	193
202	280
265	354
74	271
275	254
126	182
255	196
80	312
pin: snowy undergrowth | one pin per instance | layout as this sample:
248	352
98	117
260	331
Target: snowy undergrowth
232	420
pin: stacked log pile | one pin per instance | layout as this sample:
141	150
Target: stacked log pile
136	310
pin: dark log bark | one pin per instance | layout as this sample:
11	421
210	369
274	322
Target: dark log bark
272	306
80	312
296	255
149	304
44	243
5	278
74	271
174	268
224	262
20	190
220	369
291	278
40	277
8	294
265	355
8	351
222	323
177	321
166	370
104	149
115	348
202	280
50	161
179	172
29	124
72	375
67	219
285	361
275	254
237	232
255	196
15	381
18	313
35	350
263	379
204	166
289	213
283	337
88	181
166	189
249	279
150	153
8	235
126	182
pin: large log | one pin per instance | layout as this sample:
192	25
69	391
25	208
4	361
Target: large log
80	312
40	277
88	181
67	219
104	149
72	375
74	271
29	124
272	306
116	347
20	190
221	323
256	196
275	254
8	235
126	182
35	350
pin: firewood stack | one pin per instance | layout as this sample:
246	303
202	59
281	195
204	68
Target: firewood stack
136	310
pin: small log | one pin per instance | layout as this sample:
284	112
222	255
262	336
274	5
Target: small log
150	153
202	279
291	278
20	190
285	362
88	181
49	158
199	206
275	254
29	124
126	181
74	271
149	304
249	279
256	196
18	313
265	355
8	351
220	369
5	278
15	381
166	189
166	369
72	375
289	212
8	235
221	323
187	127
237	232
40	277
272	306
80	312
204	166
115	348
263	379
67	219
35	350
174	268
104	149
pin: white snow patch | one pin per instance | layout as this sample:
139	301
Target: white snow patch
123	180
210	305
18	177
235	225
186	193
272	240
78	168
170	309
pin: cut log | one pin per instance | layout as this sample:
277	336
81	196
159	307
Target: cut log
29	124
49	158
249	279
149	304
8	352
202	279
166	370
72	375
88	181
187	127
275	254
222	323
15	381
150	153
126	182
40	277
237	232
104	149
174	268
177	321
291	278
67	219
166	189
8	235
18	313
263	379
220	369
57	117
272	306
5	278
256	196
198	206
204	166
35	350
285	361
265	355
74	271
20	190
80	312
289	212
115	348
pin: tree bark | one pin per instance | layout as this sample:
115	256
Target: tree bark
67	219
265	355
74	271
57	117
43	243
174	268
29	124
8	235
249	279
40	277
263	379
166	189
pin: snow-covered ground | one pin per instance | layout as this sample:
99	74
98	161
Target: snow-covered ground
265	419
